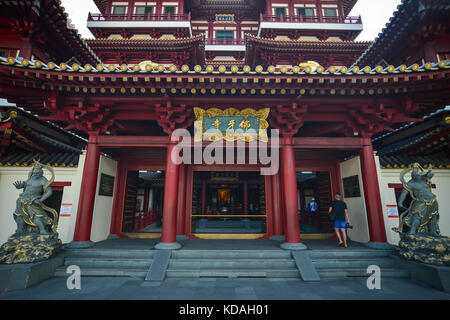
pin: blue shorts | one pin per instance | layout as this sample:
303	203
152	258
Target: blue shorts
340	224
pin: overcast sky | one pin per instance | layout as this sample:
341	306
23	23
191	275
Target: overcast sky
375	14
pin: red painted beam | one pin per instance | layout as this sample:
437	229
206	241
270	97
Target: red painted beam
298	143
329	143
132	141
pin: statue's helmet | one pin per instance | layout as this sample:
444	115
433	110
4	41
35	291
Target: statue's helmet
37	168
416	171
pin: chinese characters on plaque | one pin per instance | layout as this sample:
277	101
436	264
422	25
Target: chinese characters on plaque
231	124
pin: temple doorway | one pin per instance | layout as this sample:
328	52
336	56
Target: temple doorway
143	206
228	203
314	198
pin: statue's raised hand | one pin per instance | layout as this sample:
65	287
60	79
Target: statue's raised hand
19	184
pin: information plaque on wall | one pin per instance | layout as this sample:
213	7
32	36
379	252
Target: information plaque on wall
351	187
106	187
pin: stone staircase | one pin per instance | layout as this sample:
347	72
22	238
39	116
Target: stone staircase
97	262
341	263
232	264
328	263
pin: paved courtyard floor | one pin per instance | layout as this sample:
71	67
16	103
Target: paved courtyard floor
123	288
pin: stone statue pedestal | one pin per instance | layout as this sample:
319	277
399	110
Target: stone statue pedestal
427	258
26	275
29	248
425	249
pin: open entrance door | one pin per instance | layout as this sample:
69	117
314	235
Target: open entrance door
144	197
314	198
227	203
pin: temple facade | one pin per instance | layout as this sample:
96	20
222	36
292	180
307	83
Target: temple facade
225	119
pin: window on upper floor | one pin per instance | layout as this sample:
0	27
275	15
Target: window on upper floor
224	37
331	15
280	11
330	12
169	10
306	12
119	10
144	10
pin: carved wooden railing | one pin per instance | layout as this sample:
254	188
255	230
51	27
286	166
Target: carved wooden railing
225	42
144	219
311	19
139	17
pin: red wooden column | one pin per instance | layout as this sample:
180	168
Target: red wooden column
181	7
269	205
268	7
289	177
277	206
181	218
169	224
82	235
116	209
372	196
319	10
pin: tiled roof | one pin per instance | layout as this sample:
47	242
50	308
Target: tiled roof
39	135
395	32
54	24
421	139
407	126
328	45
404	161
21	159
185	69
101	5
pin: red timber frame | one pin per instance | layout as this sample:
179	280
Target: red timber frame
277	187
304	105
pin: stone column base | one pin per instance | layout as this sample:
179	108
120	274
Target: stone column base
79	245
293	246
168	246
379	245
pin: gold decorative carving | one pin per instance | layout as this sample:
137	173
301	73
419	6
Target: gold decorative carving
224	18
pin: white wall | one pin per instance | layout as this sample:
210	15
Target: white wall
356	206
101	221
442	181
9	195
